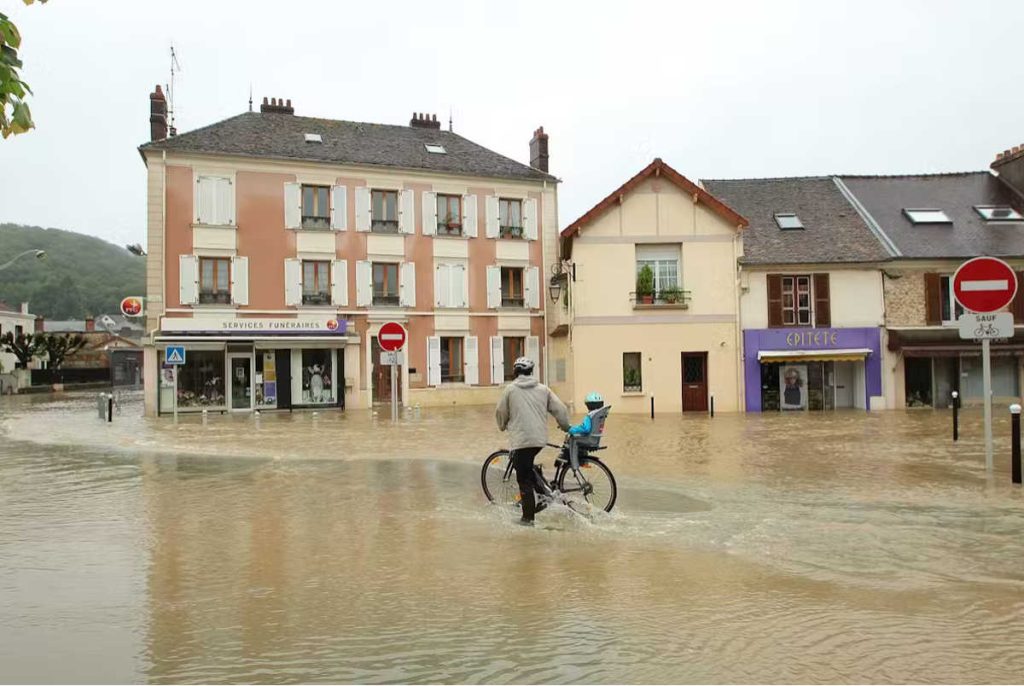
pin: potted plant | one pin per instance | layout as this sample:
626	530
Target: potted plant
671	295
632	381
645	285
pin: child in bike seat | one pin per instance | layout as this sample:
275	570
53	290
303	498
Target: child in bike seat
594	402
580	434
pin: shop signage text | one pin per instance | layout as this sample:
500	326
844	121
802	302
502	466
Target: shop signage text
309	325
800	339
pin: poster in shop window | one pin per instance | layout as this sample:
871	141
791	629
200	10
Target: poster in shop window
316	377
793	386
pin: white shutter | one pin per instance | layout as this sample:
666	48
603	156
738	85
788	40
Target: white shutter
492	216
292	205
206	200
188	275
472	368
362	208
469	216
457	278
531	284
339	208
442	273
407	212
433	360
493	286
429	213
364	283
292	282
240	280
533	352
497	360
339	283
530	219
224	202
407	284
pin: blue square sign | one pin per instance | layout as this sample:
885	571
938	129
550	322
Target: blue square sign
174	354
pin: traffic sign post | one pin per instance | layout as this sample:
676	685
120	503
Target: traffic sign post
392	337
174	355
984	285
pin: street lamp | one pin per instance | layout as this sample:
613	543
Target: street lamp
561	271
555	288
40	254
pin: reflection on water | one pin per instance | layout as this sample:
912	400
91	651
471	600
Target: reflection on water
339	548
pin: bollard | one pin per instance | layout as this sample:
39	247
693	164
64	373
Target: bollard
110	408
652	407
956	416
712	404
1015	443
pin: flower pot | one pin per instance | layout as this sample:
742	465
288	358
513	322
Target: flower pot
647	299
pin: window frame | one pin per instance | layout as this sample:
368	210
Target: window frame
213	296
385	298
948	303
909	213
795	309
781	221
509	359
317	296
511	300
661	284
1015	216
452	356
310	217
638	387
385	224
448	228
506	229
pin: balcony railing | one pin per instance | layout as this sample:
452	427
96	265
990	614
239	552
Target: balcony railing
316	223
384	226
386	300
449	229
214	297
667	299
512	301
316	298
510	232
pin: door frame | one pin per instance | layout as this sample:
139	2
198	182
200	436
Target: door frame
682	379
231	382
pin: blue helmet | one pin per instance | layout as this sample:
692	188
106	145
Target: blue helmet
594	401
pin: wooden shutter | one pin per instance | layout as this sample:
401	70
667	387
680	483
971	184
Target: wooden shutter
531	284
822	304
472	370
932	298
339	283
774	300
362	208
1017	306
339	208
407	284
497	360
530	219
292	205
493	286
364	283
492	216
469	216
407	212
240	280
188	274
292	282
429	213
433	360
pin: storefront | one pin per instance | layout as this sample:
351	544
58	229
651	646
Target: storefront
804	369
254	363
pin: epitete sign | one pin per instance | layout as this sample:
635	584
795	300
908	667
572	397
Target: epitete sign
255	325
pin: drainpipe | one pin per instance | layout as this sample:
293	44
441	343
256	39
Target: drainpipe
740	369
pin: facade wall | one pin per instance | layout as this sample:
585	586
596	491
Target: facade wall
855	295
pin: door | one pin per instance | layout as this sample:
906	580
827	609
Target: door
240	381
382	376
844	384
695	382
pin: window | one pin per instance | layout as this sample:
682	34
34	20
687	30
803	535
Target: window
450	285
435	149
449	215
787	221
796	300
451	360
664	263
996	213
513	348
632	379
317	377
927	216
316	282
512	287
214	280
385	283
316	207
384	211
510	218
18	330
201	379
313	138
951	309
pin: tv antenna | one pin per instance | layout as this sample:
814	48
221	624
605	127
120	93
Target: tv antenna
170	89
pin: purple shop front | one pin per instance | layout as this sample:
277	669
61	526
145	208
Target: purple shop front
797	368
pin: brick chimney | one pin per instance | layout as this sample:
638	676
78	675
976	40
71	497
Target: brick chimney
157	115
90	324
424	121
40	324
539	150
277	106
1009	164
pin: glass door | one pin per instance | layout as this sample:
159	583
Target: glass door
240	376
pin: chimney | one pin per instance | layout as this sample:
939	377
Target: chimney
90	324
539	150
277	106
424	121
157	115
1009	164
24	308
40	324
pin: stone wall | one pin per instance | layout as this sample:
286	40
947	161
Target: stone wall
904	297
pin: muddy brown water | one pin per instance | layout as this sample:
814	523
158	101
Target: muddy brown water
336	547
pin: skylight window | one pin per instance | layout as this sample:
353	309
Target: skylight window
436	149
921	216
996	213
788	220
313	138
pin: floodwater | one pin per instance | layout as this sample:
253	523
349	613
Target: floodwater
336	547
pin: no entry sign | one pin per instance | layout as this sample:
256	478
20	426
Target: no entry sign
984	284
391	337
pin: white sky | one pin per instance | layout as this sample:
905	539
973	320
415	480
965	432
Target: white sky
717	89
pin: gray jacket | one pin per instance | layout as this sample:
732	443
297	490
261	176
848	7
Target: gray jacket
523	412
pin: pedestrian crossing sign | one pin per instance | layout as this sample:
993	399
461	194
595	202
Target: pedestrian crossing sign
174	354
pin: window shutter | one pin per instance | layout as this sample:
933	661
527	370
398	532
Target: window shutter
206	200
429	213
441	290
364	283
433	360
497	360
225	201
933	298
188	275
362	208
531	284
469	227
493	286
339	208
407	212
492	216
1017	306
472	368
339	283
292	205
822	304
458	286
240	280
530	219
774	300
292	282
533	352
407	284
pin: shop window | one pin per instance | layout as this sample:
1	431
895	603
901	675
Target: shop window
316	282
201	379
384	211
266	380
214	280
316	207
385	283
449	215
512	287
317	385
451	360
510	218
632	378
513	347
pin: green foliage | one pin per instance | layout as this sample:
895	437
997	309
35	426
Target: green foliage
59	346
645	281
81	275
24	346
12	88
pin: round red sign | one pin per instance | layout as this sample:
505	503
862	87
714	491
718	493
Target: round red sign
984	284
131	306
391	337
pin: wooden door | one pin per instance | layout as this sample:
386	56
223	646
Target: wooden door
695	382
382	376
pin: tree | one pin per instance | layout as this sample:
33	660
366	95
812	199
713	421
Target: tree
12	88
59	346
59	298
24	346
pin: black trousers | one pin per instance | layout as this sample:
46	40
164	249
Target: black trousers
522	460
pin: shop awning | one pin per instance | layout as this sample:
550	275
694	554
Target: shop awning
834	355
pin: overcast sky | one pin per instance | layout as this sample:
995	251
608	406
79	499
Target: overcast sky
716	89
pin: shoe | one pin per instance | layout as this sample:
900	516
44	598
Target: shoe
524	522
540	507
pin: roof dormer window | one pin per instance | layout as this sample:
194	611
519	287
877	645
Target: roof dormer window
313	138
926	216
435	149
998	213
788	221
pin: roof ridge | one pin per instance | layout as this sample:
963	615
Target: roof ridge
194	131
909	176
825	177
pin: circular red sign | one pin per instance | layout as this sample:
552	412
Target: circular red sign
984	284
131	307
332	324
391	337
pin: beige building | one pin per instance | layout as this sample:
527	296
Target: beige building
674	339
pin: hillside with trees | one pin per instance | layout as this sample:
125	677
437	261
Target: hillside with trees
80	276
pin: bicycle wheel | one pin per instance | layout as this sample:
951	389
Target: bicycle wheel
498	478
592	488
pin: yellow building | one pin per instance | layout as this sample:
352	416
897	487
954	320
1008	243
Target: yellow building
674	339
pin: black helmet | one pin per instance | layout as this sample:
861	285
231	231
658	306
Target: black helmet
523	366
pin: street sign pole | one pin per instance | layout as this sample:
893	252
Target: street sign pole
174	402
394	390
986	374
